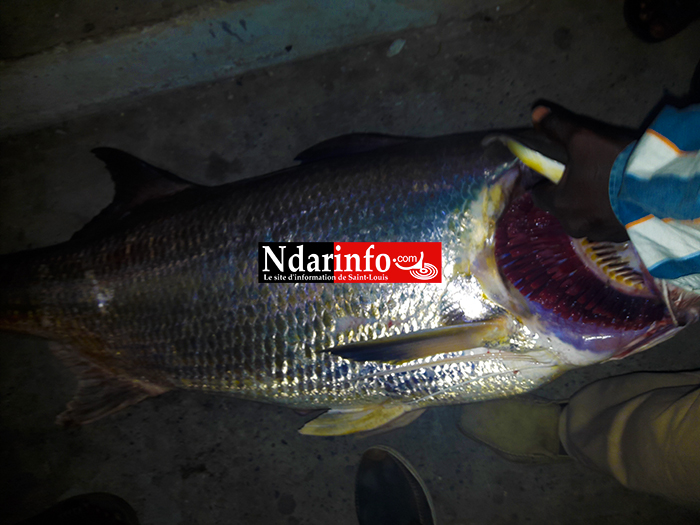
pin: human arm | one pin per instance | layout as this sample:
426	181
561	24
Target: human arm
647	190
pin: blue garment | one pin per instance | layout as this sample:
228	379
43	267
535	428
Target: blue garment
655	193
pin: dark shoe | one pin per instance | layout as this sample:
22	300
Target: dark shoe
523	429
656	20
388	491
87	509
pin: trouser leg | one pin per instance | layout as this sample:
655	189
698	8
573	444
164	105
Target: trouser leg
642	428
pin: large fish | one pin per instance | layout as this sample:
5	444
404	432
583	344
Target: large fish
161	290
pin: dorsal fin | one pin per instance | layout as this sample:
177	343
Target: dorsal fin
135	183
350	144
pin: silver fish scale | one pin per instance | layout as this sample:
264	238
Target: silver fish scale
173	298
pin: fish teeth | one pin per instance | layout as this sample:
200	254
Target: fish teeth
576	280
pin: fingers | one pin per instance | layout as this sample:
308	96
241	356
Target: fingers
540	112
543	194
559	123
554	124
611	235
599	224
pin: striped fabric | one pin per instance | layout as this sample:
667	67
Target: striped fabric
655	192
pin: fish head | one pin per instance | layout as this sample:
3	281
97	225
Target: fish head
582	301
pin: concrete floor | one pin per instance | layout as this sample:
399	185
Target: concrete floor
187	458
33	26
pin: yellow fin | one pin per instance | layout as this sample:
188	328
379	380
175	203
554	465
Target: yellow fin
550	168
348	421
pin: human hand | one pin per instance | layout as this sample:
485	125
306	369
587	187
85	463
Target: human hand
580	200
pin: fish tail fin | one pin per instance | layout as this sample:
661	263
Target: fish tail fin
100	392
17	304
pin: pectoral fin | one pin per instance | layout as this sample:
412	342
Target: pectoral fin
408	347
349	421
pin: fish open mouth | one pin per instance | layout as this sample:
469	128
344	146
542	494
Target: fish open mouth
581	286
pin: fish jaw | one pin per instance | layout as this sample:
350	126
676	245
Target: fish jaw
617	265
570	338
589	303
479	246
